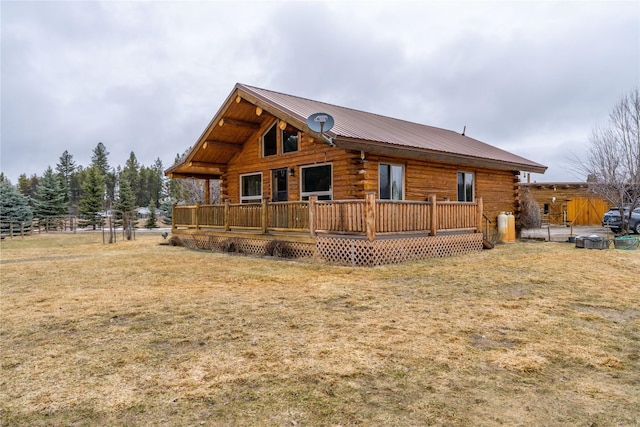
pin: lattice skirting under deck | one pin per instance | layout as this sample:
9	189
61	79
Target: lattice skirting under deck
343	250
248	245
396	250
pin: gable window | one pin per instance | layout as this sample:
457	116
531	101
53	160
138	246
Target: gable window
465	187
270	142
251	188
391	182
316	180
289	141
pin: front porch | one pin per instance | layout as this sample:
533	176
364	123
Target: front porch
354	232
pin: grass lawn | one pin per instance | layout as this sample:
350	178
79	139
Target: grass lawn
135	333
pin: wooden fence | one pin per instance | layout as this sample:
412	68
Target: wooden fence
39	225
63	223
357	217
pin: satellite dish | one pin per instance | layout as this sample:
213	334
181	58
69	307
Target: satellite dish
320	122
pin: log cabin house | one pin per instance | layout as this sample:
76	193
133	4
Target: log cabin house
371	190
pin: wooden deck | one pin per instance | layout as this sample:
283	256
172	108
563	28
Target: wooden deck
354	232
369	218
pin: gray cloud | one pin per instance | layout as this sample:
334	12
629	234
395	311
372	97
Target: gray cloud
529	77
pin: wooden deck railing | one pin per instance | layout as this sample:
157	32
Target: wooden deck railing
360	217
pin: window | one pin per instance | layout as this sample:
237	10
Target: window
251	188
289	141
316	180
465	187
391	182
270	142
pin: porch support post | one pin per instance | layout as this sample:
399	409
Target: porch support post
479	214
197	216
264	216
227	209
434	214
312	215
207	192
370	215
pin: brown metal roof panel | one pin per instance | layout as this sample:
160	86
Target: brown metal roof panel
350	123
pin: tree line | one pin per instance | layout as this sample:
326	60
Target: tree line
89	192
92	191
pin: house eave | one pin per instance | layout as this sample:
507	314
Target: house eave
439	156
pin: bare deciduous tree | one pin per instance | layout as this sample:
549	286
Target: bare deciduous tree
529	217
192	191
613	162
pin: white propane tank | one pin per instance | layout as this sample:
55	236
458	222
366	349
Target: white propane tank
511	228
502	227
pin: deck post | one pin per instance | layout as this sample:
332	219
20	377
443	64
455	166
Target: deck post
263	215
197	216
173	216
207	192
312	215
479	214
433	226
370	215
227	209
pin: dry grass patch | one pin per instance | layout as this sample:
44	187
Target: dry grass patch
141	334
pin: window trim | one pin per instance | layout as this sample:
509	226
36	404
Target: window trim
473	186
251	199
306	194
262	146
404	178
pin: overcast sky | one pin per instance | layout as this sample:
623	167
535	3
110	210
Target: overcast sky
533	78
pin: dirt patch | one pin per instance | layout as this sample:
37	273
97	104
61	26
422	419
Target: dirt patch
615	315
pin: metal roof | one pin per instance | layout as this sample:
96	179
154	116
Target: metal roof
353	130
354	125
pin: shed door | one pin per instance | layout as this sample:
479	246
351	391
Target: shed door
279	185
586	211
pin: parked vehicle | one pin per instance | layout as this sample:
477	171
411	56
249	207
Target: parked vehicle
612	220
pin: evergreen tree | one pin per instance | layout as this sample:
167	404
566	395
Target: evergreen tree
34	180
92	198
151	221
50	199
156	183
143	195
126	204
14	207
131	174
66	168
99	159
75	189
24	185
126	201
110	181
